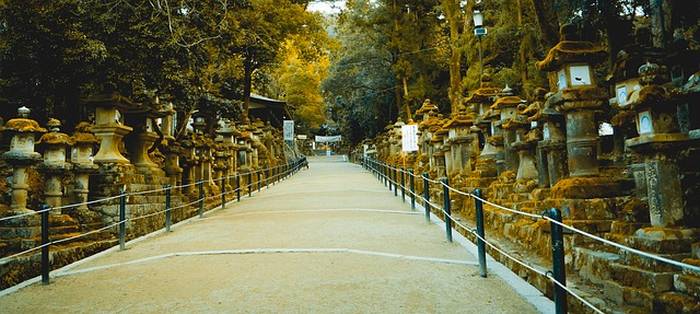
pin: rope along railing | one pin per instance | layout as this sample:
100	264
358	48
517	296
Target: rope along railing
287	170
389	175
136	193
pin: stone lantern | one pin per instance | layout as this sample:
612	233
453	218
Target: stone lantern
552	147
461	138
203	147
227	132
438	152
55	167
109	126
190	160
569	65
493	138
506	105
626	79
396	149
660	142
221	166
83	166
524	145
243	160
144	136
170	146
427	110
481	99
21	155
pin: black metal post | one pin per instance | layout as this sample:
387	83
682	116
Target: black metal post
168	212
448	211
481	246
45	244
201	199
395	175
122	219
259	181
412	182
403	185
250	184
426	196
238	187
558	267
223	194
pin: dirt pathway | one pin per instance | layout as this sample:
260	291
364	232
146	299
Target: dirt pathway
330	239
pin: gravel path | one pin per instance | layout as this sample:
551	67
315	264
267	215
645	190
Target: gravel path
330	239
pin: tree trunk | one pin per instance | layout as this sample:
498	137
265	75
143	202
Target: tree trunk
522	53
548	21
454	19
406	107
247	82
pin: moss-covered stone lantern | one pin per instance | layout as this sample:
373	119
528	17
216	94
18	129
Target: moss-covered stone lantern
81	157
55	144
21	155
569	65
659	141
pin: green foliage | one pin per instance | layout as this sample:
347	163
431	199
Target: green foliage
200	54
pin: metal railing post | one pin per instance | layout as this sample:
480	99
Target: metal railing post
412	182
223	194
201	199
168	213
250	184
446	207
558	266
403	185
122	219
395	175
259	181
238	187
481	246
45	267
426	196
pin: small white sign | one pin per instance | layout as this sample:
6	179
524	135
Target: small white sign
645	126
622	96
302	136
561	80
580	75
288	129
409	138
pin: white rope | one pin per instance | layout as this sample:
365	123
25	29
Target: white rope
10	257
626	248
581	232
87	233
526	265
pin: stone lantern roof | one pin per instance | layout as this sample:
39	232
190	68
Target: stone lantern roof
427	107
534	110
83	134
439	134
461	119
507	101
652	93
55	137
112	99
485	93
23	124
569	50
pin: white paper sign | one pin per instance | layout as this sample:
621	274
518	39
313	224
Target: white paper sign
580	75
409	138
288	129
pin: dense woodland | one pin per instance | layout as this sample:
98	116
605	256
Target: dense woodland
205	55
396	53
